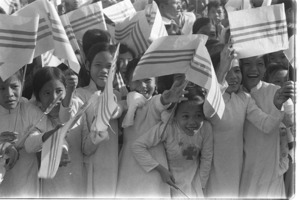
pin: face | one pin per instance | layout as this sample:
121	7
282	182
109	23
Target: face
209	30
124	58
216	14
100	67
279	77
234	79
146	87
72	4
49	92
279	57
10	92
253	70
189	117
172	9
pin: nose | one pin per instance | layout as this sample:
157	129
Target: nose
9	92
192	121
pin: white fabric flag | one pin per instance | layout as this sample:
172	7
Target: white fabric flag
52	148
48	59
290	52
118	12
51	33
183	54
18	36
262	30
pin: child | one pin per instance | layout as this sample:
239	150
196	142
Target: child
144	111
188	143
17	116
216	12
261	151
278	75
227	162
206	27
48	83
101	158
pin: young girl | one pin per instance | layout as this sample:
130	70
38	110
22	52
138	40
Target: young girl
101	158
228	132
205	26
16	117
188	143
260	173
144	111
48	83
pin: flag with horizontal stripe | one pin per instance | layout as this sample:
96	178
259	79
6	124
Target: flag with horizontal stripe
18	36
51	33
263	30
107	104
183	54
83	19
52	148
119	11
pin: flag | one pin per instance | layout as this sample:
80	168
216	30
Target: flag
10	6
18	36
51	33
263	31
106	103
290	52
118	12
183	54
52	148
83	19
48	59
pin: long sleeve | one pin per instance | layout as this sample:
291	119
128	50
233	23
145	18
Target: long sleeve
206	154
265	122
143	143
157	107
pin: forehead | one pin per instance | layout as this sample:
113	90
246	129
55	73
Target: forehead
12	79
253	59
103	56
277	53
53	84
189	107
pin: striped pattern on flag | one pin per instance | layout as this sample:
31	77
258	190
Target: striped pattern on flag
83	19
51	33
259	31
200	71
69	31
48	59
120	11
107	102
264	31
52	148
18	37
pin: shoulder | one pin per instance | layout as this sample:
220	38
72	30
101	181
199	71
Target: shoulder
189	16
206	128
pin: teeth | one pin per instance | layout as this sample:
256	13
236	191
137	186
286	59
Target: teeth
252	75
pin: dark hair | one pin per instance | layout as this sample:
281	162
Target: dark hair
214	48
199	23
19	75
130	68
196	94
159	2
2	11
92	37
214	4
99	47
272	69
124	49
44	75
287	4
265	58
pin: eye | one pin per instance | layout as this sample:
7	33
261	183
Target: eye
185	117
148	81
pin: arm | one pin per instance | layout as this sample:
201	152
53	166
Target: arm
71	83
206	154
263	121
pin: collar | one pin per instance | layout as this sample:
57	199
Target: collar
255	88
92	86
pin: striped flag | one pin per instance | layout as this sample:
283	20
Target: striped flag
118	12
51	33
77	22
52	148
48	59
183	54
107	103
18	37
264	31
10	6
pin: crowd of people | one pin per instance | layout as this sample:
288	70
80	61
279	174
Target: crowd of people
161	141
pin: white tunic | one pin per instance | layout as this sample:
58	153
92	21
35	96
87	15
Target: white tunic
101	159
189	157
227	163
133	181
22	179
260	173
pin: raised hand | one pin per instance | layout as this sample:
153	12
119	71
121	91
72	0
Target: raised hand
284	93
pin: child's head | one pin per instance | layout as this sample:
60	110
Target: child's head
48	83
169	8
206	27
278	57
125	55
277	74
189	114
92	37
234	79
11	91
99	61
146	86
253	70
215	11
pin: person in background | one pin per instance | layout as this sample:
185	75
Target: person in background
206	27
